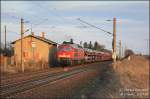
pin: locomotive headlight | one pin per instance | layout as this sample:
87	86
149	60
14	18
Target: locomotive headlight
59	55
68	56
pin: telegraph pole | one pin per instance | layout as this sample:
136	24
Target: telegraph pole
22	31
147	45
120	50
114	39
120	42
5	37
125	48
5	54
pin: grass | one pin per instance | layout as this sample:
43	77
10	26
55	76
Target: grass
134	74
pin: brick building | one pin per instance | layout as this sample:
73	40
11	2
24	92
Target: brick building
36	49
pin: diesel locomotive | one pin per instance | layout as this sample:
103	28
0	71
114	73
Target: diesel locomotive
72	54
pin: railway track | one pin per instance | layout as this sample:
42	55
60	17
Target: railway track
10	89
9	76
21	78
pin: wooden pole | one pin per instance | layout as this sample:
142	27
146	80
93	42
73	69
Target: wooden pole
120	38
5	54
120	49
5	37
114	40
22	31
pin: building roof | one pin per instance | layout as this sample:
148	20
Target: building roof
39	38
73	45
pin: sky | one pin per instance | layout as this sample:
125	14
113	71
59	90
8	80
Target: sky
58	19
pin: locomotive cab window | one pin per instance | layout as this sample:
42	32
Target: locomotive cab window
64	48
68	49
76	50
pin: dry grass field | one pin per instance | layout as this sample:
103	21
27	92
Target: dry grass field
125	79
134	76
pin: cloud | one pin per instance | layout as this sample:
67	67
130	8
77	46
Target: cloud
90	5
62	24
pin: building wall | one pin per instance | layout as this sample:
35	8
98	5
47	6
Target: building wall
38	53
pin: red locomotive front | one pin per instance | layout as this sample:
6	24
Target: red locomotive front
69	54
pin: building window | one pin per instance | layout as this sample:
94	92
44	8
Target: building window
26	54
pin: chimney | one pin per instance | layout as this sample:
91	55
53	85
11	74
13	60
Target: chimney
32	33
43	34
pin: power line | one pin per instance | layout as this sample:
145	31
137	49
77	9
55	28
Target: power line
63	18
13	32
56	14
25	13
35	25
18	17
94	26
60	16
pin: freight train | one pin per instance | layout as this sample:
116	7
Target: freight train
72	54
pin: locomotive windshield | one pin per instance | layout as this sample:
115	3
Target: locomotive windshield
64	48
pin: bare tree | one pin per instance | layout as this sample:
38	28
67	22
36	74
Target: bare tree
90	46
98	46
9	51
85	45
